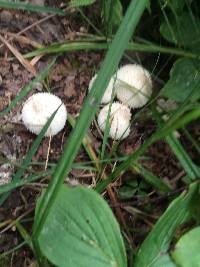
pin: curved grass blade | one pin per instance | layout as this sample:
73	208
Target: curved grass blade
91	45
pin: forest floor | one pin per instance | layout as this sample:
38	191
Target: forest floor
140	203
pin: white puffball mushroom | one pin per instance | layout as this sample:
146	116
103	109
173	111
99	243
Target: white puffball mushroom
108	92
39	108
133	85
119	120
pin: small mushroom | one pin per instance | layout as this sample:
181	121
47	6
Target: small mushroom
119	121
108	92
133	85
39	108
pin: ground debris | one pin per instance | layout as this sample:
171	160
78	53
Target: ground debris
5	174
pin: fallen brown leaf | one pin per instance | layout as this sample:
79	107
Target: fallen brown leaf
19	56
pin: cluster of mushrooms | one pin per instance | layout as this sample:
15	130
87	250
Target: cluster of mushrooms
131	84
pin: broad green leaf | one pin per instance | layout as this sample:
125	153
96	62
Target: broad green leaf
81	231
184	78
177	29
156	245
164	261
187	249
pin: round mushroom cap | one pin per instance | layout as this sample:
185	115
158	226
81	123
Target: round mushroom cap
39	108
106	98
119	120
133	85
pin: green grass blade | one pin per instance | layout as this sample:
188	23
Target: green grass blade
151	178
91	104
69	46
3	198
183	157
40	77
17	183
79	3
12	250
24	234
156	245
91	45
86	142
107	128
29	7
176	146
195	144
